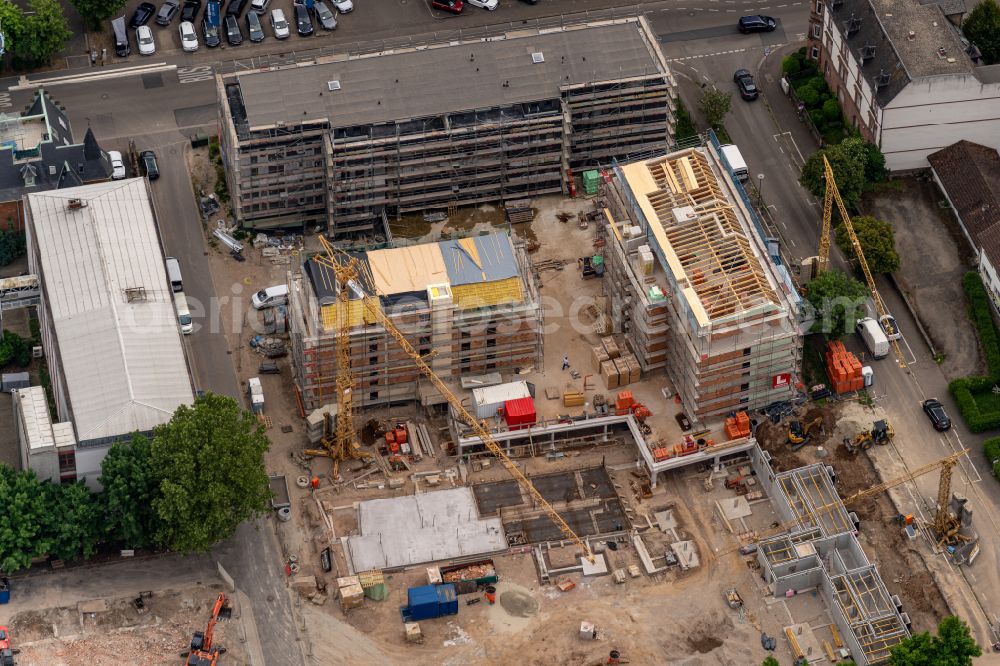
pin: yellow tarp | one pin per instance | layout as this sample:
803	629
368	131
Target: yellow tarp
488	294
356	313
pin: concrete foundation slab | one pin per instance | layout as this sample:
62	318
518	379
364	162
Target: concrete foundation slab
431	526
687	554
607	516
666	522
735	508
804	642
598	568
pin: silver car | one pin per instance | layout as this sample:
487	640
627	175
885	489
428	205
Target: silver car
279	24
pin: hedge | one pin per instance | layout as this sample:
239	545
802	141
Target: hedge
965	388
991	448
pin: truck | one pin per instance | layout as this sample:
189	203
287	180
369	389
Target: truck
256	393
874	337
736	162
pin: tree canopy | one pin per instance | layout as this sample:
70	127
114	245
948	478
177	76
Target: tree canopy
716	104
856	165
838	301
33	38
877	242
130	485
96	11
982	28
209	465
953	646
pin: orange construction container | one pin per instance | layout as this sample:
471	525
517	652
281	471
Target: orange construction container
401	435
390	437
625	400
661	453
743	423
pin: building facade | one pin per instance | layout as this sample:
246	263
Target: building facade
108	323
337	144
469	305
904	77
693	287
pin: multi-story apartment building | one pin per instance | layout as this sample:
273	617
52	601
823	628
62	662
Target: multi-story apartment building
338	143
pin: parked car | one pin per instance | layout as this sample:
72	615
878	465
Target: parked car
259	6
757	23
326	19
233	33
279	24
122	47
190	10
270	297
235	7
530	2
888	324
117	165
144	36
168	10
488	5
303	24
189	38
343	6
255	31
453	6
142	14
210	25
147	162
935	412
744	81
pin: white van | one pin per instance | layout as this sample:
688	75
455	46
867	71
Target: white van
174	274
268	298
736	161
874	337
183	314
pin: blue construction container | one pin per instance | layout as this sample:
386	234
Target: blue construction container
430	601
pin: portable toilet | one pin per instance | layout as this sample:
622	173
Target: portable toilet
868	375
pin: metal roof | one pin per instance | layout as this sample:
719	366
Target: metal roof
104	285
449	77
35	420
479	259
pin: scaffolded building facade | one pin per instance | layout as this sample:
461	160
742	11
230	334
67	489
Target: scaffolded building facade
470	306
692	285
338	143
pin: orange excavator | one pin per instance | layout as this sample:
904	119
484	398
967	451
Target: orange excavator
203	652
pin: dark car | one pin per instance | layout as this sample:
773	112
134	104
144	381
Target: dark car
326	19
530	2
190	10
757	23
147	162
254	29
235	7
935	411
303	23
233	33
168	10
453	6
142	14
210	25
744	80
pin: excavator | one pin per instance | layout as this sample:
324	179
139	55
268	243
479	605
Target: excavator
799	434
881	433
203	652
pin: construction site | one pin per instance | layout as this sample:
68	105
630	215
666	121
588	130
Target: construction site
446	494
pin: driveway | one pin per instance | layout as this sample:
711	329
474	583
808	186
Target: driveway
934	256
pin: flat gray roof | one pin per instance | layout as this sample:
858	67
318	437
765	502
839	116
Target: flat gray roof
450	77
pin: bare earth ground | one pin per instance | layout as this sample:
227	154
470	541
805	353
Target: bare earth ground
62	636
934	255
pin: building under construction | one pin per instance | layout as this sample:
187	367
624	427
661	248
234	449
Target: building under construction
470	305
693	286
338	143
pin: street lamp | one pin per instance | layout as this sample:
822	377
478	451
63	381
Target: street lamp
760	189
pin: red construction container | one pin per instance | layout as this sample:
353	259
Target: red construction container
625	400
401	435
390	437
520	413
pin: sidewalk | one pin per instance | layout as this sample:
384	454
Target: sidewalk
780	106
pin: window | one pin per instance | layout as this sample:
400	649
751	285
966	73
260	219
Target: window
815	53
465	346
67	461
373	395
372	360
817	29
819	8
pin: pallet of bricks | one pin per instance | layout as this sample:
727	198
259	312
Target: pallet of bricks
843	368
738	426
618	369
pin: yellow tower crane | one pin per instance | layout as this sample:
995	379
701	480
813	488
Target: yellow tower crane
941	517
823	261
347	270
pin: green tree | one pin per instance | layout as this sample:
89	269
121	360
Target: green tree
12	243
130	487
209	460
877	242
715	104
848	170
831	110
808	95
94	12
982	28
953	646
791	65
21	519
683	126
770	661
838	301
71	522
11	23
14	349
45	33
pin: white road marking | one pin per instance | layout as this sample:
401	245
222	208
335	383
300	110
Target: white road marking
24	83
5	100
195	73
707	55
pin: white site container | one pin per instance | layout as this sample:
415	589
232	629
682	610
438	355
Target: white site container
489	399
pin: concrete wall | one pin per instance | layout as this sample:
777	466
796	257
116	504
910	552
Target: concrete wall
798	581
933	113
